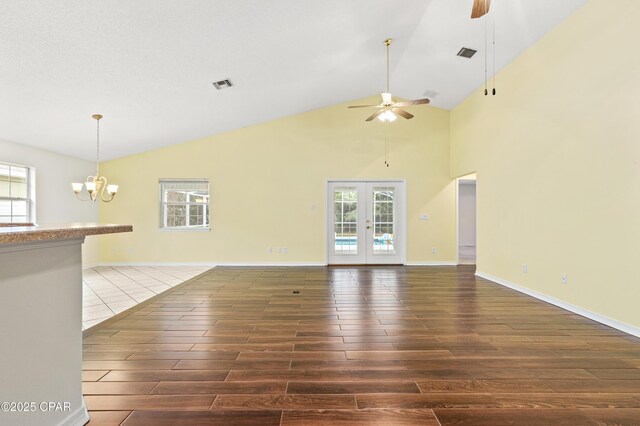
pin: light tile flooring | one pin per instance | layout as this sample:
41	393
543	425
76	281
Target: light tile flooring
109	290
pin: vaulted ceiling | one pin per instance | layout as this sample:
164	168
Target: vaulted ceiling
148	65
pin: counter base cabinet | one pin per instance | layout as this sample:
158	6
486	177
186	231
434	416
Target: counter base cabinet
41	333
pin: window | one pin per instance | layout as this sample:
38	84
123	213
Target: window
184	204
15	194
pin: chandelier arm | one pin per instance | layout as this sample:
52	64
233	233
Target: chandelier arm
107	200
104	183
82	199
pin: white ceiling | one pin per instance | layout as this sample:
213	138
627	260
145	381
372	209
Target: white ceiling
148	65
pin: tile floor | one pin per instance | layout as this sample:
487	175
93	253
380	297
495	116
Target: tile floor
109	290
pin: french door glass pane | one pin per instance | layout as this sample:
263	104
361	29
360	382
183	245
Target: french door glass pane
345	220
383	221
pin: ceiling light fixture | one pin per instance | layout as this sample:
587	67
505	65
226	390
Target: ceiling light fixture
388	115
388	109
96	185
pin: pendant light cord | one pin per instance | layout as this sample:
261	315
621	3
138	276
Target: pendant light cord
485	48
386	143
493	21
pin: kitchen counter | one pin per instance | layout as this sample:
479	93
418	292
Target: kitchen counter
41	323
21	234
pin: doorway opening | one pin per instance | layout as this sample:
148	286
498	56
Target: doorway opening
467	220
365	222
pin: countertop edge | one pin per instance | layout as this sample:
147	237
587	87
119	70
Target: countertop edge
22	234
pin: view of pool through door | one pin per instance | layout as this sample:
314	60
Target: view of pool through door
365	222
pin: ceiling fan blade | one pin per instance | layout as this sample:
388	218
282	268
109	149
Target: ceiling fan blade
403	113
362	106
375	115
415	102
480	7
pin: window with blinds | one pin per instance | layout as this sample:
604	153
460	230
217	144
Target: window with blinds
184	204
15	194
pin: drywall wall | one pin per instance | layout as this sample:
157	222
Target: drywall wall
557	155
467	213
55	202
268	186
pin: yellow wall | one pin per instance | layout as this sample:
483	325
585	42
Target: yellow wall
557	156
265	179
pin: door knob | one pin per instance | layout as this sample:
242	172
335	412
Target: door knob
368	227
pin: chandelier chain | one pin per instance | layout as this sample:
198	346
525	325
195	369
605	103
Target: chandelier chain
98	148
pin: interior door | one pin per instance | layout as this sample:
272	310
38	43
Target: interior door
365	222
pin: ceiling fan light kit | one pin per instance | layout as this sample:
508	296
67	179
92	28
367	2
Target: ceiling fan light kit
388	109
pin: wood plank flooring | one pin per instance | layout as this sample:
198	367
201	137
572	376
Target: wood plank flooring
362	345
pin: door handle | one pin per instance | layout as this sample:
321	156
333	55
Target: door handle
368	226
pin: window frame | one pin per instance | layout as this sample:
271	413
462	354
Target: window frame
30	196
163	205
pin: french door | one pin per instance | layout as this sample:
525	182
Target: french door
365	222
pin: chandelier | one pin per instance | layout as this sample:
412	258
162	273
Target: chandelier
96	185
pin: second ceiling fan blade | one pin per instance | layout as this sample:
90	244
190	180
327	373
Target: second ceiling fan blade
480	7
415	102
375	115
363	106
403	113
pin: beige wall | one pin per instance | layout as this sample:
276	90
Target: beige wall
557	155
266	178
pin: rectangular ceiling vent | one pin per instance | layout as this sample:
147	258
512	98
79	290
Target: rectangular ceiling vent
465	52
222	84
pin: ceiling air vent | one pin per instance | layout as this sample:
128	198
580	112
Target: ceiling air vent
222	84
465	52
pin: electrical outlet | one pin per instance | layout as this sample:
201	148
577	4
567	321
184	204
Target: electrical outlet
564	278
269	250
424	217
434	250
285	250
279	249
525	268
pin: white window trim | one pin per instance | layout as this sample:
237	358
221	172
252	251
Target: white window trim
31	191
207	207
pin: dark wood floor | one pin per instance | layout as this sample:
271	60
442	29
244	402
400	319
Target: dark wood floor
365	345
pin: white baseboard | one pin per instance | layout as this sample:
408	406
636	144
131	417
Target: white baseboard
209	264
627	328
79	417
212	264
266	264
433	263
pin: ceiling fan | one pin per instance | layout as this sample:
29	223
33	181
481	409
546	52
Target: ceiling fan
388	110
480	8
